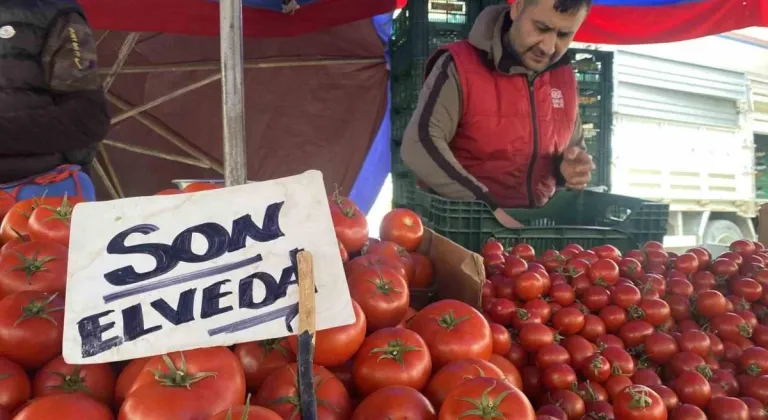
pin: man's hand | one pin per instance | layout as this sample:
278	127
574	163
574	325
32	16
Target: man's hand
506	220
577	167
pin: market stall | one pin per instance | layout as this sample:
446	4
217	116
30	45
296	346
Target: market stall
410	324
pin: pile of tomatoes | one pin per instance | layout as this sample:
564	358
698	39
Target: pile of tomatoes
649	334
391	362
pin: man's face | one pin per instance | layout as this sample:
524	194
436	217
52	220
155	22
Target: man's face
540	34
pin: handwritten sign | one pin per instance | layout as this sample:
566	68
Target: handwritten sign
153	275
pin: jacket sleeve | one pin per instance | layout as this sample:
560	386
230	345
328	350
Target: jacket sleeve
79	117
426	141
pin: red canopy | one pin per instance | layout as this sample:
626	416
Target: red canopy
201	17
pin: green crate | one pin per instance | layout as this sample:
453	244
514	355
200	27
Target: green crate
588	218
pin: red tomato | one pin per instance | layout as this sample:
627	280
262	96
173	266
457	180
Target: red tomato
679	307
511	373
625	296
754	361
456	372
563	294
524	251
65	407
596	298
613	317
727	408
729	326
710	303
395	402
423	272
364	262
453	330
201	186
15	388
647	377
696	342
558	376
6	203
639	402
616	384
50	222
594	327
551	354
382	294
389	357
502	340
680	287
349	222
280	393
580	349
539	309
534	336
261	358
621	362
59	377
743	247
403	227
635	332
568	321
608	252
692	388
655	311
39	266
126	378
31	328
630	268
604	272
687	264
529	285
747	288
492	246
489	396
335	346
16	221
514	266
687	412
597	368
185	386
517	355
756	409
570	402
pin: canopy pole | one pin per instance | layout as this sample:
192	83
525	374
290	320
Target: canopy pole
232	85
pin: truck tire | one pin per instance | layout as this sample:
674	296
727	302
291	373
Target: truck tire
722	232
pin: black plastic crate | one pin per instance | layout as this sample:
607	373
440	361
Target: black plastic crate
587	218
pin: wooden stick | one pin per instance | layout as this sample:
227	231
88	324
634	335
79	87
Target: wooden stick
111	170
125	51
249	64
155	153
141	108
169	134
307	318
105	178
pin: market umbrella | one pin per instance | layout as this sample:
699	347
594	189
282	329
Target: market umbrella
316	90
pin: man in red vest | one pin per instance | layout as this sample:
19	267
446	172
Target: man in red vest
497	118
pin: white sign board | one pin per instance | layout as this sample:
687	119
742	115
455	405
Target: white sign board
153	275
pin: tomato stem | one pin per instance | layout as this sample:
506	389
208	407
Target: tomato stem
449	320
273	344
295	400
753	370
178	377
38	308
704	371
485	408
745	330
244	416
395	350
635	312
62	213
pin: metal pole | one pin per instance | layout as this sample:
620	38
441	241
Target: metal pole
232	85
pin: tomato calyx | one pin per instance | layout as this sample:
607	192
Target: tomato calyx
523	315
62	213
73	382
5	376
273	344
38	308
596	365
640	399
384	286
635	312
33	265
395	350
586	394
753	370
480	371
745	330
449	320
178	377
485	408
704	371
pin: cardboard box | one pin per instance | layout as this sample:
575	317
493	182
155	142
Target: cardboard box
459	273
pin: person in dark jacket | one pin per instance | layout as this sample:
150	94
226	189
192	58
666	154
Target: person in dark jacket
52	105
497	118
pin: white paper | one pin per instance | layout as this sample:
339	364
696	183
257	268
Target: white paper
305	223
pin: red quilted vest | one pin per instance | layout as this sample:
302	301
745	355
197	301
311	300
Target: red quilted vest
511	131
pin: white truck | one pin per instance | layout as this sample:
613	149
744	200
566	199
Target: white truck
687	120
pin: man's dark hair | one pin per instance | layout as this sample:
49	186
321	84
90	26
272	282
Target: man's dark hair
564	6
